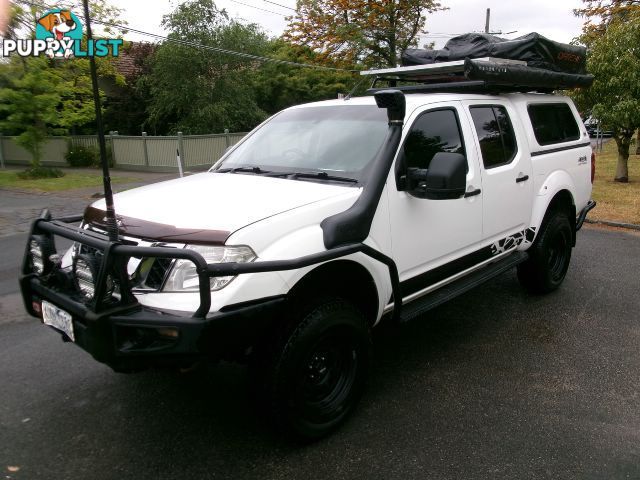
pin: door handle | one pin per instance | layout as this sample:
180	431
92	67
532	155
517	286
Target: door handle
523	178
472	193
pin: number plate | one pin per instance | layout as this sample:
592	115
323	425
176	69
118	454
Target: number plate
58	318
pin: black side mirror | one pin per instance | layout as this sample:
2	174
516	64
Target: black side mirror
446	178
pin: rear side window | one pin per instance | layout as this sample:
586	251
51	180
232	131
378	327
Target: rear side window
553	123
434	131
495	134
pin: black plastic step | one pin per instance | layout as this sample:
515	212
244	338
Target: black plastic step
460	286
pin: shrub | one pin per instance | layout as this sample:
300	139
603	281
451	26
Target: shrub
40	172
80	156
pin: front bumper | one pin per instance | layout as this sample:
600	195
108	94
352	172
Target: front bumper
137	337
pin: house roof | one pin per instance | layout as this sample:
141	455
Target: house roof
130	61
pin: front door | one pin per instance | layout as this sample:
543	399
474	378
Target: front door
435	239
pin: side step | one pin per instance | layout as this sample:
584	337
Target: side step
466	283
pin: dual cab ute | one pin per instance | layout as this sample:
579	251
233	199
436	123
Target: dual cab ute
321	222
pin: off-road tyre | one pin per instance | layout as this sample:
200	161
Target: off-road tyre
316	372
549	256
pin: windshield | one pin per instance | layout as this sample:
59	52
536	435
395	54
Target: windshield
334	140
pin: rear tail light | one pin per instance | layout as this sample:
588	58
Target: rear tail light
593	166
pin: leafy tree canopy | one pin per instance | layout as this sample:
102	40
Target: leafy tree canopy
599	13
367	32
39	96
196	90
280	86
614	97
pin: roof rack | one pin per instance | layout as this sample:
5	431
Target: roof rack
481	75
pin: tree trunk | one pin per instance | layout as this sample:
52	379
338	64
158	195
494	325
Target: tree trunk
638	142
622	170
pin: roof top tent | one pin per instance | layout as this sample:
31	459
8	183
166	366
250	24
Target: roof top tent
487	64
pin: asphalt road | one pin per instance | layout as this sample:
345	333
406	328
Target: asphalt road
497	384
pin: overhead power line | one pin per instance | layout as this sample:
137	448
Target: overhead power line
258	8
189	43
280	5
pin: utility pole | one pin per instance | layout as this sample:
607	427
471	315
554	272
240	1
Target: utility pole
486	23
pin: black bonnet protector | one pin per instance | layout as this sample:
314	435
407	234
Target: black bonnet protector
353	225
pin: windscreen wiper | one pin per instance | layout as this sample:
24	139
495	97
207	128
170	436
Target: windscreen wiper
256	170
322	175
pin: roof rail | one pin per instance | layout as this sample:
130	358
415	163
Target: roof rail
425	71
482	75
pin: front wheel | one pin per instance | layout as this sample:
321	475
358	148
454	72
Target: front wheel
550	255
319	372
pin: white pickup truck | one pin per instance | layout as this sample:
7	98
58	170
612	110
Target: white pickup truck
323	221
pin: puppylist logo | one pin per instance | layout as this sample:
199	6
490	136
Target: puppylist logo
59	34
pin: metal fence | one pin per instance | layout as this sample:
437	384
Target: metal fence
142	153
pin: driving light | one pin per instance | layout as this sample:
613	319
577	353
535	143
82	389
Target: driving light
37	260
184	277
40	249
85	272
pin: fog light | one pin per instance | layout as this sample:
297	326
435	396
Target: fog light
168	332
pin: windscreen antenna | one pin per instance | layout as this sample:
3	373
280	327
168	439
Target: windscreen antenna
112	225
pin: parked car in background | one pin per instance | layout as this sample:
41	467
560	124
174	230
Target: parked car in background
591	125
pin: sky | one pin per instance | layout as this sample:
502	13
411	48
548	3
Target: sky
551	18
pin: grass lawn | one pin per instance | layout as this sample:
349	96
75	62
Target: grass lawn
9	178
618	202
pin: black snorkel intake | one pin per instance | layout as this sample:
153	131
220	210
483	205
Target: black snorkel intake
353	225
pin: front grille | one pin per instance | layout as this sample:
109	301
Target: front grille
147	274
157	272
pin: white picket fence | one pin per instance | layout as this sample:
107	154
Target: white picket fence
142	153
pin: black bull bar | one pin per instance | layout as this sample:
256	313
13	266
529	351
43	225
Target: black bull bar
116	254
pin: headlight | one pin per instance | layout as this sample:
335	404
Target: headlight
184	278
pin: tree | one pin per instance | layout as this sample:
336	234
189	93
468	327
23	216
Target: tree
599	13
279	86
39	96
614	60
196	90
26	101
127	104
370	32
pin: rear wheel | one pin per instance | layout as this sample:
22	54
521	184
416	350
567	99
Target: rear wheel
550	255
314	379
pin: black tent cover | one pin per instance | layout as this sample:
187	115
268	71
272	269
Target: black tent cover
536	50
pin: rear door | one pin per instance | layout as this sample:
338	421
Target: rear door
507	183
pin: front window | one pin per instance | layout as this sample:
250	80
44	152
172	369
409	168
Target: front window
332	141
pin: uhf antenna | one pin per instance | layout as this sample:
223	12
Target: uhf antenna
112	225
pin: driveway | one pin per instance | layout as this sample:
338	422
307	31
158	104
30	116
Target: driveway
496	384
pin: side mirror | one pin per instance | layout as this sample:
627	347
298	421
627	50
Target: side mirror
446	178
